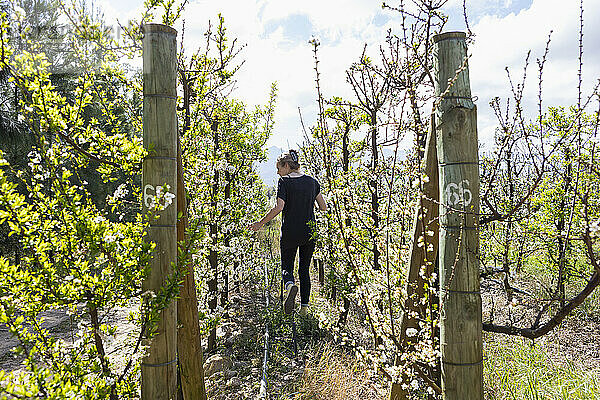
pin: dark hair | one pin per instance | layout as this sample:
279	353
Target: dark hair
290	158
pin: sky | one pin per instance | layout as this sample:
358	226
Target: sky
276	35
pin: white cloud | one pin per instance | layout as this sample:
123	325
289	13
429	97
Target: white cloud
123	10
277	32
282	53
333	16
504	42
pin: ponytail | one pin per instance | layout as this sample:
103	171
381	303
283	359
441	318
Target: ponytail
290	158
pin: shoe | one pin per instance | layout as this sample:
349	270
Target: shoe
290	299
303	310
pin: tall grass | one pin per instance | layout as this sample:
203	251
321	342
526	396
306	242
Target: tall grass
514	369
332	375
590	308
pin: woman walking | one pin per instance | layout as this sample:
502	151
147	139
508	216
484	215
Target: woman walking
296	197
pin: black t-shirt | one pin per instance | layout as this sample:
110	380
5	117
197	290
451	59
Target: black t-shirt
299	195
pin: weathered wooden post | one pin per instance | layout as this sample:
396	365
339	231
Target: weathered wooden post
457	150
321	272
423	251
213	256
189	346
159	170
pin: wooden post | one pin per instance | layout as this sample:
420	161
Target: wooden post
344	313
374	187
227	239
213	257
457	150
321	272
159	169
189	346
346	168
423	251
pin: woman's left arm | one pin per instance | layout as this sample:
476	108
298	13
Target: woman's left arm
321	202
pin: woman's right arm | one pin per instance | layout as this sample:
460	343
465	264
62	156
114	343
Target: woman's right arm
270	215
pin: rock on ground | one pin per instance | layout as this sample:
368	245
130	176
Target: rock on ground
217	363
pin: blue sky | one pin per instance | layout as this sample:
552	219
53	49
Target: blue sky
277	32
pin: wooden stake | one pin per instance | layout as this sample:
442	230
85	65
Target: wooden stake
321	272
374	188
457	150
423	251
189	346
213	256
159	366
227	239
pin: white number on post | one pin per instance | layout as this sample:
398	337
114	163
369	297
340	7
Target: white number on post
163	197
149	198
458	194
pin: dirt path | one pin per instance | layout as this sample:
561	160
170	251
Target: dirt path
57	322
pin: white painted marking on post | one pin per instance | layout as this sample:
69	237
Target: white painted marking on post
160	196
148	198
458	194
464	191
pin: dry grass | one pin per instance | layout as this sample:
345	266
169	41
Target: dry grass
332	375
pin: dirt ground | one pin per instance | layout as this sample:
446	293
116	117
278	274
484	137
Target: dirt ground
57	322
241	338
64	327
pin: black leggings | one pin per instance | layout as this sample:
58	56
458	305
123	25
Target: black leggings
288	256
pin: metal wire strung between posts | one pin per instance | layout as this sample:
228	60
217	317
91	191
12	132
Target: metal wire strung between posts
160	364
160	95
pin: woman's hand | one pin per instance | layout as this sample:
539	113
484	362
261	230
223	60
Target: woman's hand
256	226
270	215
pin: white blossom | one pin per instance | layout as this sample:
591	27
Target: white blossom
109	237
595	229
20	12
121	191
34	157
